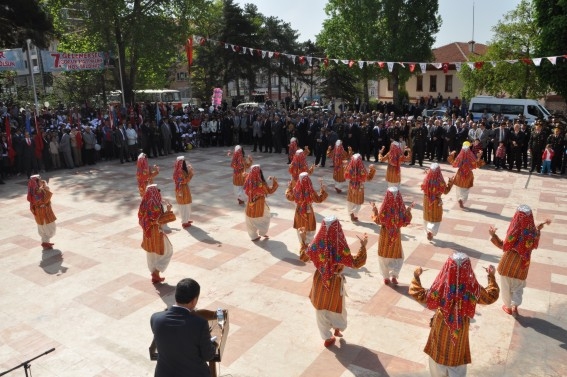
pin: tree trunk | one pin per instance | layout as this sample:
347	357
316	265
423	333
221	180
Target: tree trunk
395	89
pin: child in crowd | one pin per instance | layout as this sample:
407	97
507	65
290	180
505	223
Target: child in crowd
546	158
476	147
500	160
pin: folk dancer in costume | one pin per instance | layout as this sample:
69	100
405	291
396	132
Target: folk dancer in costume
448	343
340	158
291	148
391	217
299	165
395	157
144	174
465	161
433	186
151	217
356	174
182	175
257	210
304	195
239	166
39	196
330	254
521	239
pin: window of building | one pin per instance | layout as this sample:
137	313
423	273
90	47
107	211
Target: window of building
448	83
419	83
390	85
433	83
181	76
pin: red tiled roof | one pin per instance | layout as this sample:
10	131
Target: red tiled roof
457	52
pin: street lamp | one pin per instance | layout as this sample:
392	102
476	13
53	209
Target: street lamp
28	41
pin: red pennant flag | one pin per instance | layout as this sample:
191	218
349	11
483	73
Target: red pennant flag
326	62
351	63
236	48
527	61
276	55
302	60
412	68
189	52
203	41
478	65
445	67
11	151
380	64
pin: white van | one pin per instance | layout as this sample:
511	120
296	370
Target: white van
509	107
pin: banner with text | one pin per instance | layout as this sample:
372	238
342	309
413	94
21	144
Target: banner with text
12	60
66	62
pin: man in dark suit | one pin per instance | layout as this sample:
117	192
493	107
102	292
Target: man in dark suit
182	338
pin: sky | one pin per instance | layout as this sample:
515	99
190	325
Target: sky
306	16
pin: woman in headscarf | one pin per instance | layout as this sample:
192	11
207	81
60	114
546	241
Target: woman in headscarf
395	158
182	175
433	186
340	158
392	216
330	254
453	295
292	148
357	174
465	161
521	239
239	165
257	210
144	174
299	165
39	196
151	217
304	195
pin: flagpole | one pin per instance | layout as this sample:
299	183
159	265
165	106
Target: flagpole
121	82
28	41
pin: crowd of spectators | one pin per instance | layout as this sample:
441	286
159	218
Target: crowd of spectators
70	138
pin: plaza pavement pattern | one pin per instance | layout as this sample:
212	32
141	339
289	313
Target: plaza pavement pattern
91	297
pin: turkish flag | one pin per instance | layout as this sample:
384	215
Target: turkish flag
478	65
351	63
203	41
412	68
380	64
326	62
189	52
276	55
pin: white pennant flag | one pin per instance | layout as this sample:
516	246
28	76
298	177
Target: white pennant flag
361	64
458	66
471	65
514	61
344	61
390	66
402	64
423	67
264	54
244	50
537	61
336	61
437	65
309	59
493	63
226	45
552	59
270	54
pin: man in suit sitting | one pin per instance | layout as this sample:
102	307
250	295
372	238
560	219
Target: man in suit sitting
183	338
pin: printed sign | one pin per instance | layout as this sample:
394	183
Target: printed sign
11	60
66	62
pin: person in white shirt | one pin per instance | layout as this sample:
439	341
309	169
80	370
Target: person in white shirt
132	141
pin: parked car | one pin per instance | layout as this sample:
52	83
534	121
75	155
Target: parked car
316	108
440	112
249	105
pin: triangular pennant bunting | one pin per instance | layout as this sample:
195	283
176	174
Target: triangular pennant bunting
537	61
390	66
423	67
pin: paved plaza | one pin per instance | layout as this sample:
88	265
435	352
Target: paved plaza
91	297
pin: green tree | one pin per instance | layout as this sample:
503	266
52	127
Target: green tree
515	38
551	19
381	30
24	19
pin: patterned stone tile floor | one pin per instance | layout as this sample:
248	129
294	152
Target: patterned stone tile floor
91	297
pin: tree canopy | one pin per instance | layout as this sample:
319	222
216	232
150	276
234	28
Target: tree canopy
24	19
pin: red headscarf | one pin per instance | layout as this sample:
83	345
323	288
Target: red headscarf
465	161
254	185
329	249
292	147
303	193
180	171
150	209
455	292
522	235
433	184
298	164
393	212
338	155
395	154
356	171
237	163
143	169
